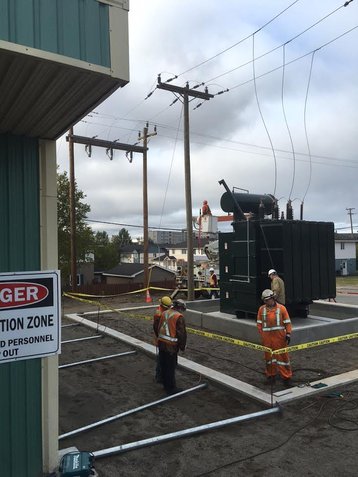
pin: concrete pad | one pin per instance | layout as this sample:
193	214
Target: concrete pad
332	382
234	384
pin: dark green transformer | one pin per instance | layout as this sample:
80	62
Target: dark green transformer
302	253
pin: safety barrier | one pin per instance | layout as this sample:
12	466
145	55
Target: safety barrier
229	339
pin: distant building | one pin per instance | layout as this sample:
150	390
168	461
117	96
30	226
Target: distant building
346	253
167	236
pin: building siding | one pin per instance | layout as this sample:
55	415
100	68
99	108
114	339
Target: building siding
20	382
66	27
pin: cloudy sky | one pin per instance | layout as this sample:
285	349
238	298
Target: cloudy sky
287	125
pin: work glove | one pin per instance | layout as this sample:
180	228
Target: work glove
288	338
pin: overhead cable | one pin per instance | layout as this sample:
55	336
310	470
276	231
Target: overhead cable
193	133
296	59
262	116
171	165
285	118
276	47
238	42
305	127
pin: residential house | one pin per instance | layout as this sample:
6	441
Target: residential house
166	261
125	273
134	252
346	253
180	250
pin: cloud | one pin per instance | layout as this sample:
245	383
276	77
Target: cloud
228	138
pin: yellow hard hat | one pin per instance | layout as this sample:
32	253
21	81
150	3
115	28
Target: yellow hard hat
166	301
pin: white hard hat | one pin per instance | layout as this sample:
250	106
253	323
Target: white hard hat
211	269
266	294
270	272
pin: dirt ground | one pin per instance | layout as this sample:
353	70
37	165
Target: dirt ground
314	436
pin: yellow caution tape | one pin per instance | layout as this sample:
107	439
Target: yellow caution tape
227	339
78	298
313	344
107	307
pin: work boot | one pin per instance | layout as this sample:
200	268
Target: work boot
270	380
172	391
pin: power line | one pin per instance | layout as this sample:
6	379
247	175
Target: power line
284	151
216	138
262	116
305	127
131	225
276	47
295	59
237	43
285	118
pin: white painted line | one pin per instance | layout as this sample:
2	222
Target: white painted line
132	308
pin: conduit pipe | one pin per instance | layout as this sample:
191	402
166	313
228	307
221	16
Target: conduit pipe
82	339
131	411
184	433
69	365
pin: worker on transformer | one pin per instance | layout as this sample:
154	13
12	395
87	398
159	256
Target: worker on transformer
164	303
277	286
274	326
205	209
171	334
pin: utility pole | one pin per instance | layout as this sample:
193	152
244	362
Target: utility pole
144	137
72	212
88	142
350	213
185	93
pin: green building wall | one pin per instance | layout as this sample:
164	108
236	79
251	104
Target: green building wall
20	382
77	29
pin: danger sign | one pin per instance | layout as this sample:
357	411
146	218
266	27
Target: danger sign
29	315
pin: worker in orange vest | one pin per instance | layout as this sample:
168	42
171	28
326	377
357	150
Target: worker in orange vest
164	303
274	326
171	338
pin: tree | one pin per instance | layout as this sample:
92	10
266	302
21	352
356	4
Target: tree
105	253
84	234
118	241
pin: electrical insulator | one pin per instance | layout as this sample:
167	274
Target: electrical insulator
289	211
276	211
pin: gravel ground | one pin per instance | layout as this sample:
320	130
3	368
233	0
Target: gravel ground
314	436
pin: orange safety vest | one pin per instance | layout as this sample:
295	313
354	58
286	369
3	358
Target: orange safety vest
273	325
156	318
168	327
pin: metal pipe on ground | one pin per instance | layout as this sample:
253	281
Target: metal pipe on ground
131	411
78	363
183	433
82	339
